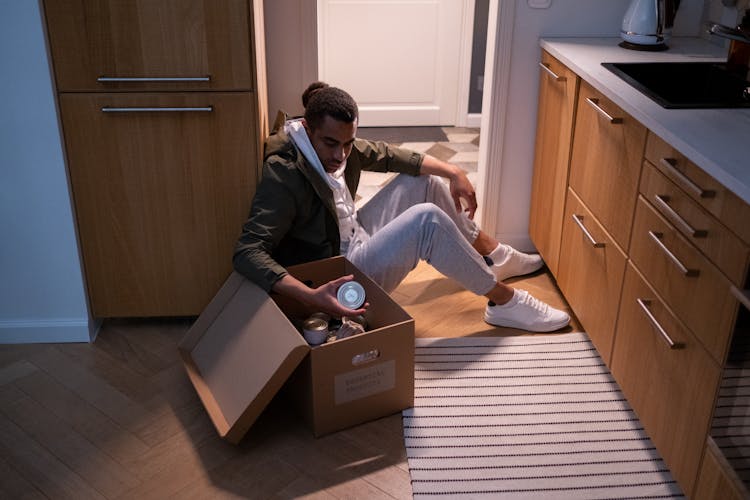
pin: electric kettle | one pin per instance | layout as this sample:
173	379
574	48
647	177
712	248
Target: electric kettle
647	24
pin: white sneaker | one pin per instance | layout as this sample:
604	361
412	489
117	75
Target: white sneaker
507	262
527	313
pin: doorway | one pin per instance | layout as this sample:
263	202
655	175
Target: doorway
403	62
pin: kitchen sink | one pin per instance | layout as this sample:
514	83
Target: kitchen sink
684	85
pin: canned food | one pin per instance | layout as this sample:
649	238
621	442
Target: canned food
315	330
351	294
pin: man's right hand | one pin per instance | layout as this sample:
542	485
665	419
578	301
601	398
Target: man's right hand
322	298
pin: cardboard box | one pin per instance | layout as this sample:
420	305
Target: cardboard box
245	347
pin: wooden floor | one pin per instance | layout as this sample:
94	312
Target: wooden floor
119	419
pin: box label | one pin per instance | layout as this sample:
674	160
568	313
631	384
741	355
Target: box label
365	382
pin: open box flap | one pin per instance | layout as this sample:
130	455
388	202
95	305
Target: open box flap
239	353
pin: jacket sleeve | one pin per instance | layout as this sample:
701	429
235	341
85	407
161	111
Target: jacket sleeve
271	215
380	156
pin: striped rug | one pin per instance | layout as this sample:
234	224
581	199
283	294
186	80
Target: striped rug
525	417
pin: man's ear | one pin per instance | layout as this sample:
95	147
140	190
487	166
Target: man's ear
304	124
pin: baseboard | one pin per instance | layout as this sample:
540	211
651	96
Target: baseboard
48	331
474	120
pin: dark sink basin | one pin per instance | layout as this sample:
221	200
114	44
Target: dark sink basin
686	84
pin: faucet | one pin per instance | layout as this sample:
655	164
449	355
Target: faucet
738	58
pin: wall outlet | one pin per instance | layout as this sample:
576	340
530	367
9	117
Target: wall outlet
540	4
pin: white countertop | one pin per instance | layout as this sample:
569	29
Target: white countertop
717	140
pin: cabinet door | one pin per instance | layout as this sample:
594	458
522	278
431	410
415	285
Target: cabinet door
160	195
606	162
671	390
591	271
206	42
557	94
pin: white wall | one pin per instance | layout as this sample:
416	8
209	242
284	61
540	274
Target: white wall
42	295
563	18
291	53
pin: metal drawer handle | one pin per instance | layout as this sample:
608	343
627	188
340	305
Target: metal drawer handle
662	203
579	220
684	270
107	109
742	295
594	103
551	73
644	303
150	79
671	165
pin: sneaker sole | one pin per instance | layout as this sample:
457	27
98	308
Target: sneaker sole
502	276
520	326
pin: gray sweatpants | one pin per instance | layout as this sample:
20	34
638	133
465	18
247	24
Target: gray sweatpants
414	218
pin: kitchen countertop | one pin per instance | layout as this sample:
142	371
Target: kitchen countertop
717	140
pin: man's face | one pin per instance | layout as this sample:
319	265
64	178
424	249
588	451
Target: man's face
333	141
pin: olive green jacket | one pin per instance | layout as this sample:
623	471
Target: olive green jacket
293	216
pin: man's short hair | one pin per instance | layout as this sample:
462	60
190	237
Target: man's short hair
321	100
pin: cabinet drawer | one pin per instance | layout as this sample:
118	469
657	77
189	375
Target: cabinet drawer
94	39
693	287
715	198
606	161
591	270
671	390
702	229
160	196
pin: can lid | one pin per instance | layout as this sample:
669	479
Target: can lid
315	323
351	294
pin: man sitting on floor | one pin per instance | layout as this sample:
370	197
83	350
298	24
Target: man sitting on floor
303	210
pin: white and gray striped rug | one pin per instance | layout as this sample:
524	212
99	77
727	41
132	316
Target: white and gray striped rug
525	417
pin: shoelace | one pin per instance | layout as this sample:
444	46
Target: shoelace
534	303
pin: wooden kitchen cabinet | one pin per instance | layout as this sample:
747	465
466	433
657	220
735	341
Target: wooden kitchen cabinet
711	195
591	260
163	119
690	284
658	253
671	388
558	89
606	161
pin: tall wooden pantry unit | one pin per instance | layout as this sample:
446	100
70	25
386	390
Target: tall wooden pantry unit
162	104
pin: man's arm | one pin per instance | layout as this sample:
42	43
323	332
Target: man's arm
460	186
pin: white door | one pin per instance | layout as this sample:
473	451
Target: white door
400	60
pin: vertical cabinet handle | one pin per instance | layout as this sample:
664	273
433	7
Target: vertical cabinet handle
691	273
645	303
742	295
671	165
555	76
594	103
662	203
579	221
